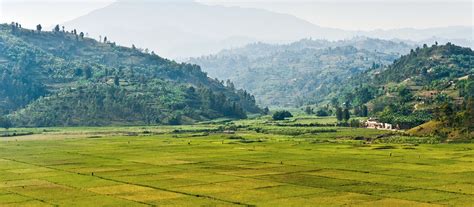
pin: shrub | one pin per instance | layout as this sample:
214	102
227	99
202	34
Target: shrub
322	112
355	123
281	115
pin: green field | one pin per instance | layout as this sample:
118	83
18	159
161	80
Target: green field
199	166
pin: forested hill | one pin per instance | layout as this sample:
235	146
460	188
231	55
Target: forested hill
307	69
428	68
429	83
429	65
62	78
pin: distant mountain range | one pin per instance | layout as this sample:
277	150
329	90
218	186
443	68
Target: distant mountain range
181	29
459	35
307	69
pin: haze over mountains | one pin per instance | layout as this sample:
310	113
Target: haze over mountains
309	70
186	28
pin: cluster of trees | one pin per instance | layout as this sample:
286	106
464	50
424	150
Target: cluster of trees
404	116
281	115
5	122
457	115
323	111
343	114
154	103
17	30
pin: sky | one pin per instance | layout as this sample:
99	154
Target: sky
343	14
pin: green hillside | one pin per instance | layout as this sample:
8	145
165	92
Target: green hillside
307	69
430	83
62	78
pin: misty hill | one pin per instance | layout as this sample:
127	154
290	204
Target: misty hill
187	28
306	69
61	79
459	35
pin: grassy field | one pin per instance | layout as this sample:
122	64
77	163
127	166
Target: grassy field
199	166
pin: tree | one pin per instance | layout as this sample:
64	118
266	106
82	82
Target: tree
469	90
364	111
322	112
39	28
346	115
175	120
363	95
230	85
78	72
446	114
308	110
56	28
14	27
88	73
281	115
355	123
405	94
334	102
339	114
469	117
116	81
358	111
266	111
5	123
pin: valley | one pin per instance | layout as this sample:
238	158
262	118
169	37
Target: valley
236	103
231	164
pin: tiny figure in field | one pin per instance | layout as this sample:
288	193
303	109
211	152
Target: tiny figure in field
281	162
92	173
390	154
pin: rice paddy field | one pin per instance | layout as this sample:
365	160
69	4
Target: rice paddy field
201	165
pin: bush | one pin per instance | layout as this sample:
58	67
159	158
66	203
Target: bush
174	120
281	115
355	123
5	123
322	112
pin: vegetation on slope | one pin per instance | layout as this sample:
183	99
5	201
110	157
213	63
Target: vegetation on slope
309	70
434	82
61	78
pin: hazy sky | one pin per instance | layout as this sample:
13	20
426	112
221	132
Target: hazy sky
345	14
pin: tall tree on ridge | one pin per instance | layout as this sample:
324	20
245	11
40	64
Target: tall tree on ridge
39	28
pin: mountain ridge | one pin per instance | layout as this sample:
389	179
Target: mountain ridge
188	29
304	68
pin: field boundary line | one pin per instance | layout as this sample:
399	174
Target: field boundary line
61	170
136	184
